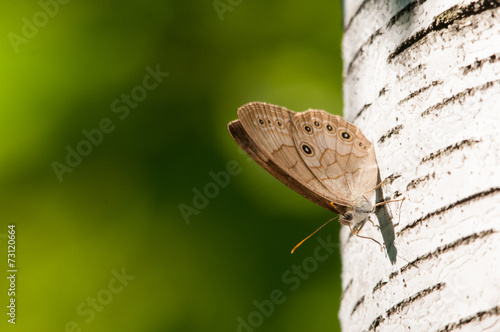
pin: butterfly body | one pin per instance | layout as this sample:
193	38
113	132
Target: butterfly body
359	211
319	155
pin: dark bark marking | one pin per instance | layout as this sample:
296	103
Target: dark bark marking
360	8
360	301
450	149
397	194
360	51
443	249
478	316
376	323
382	91
393	274
434	254
419	91
448	207
460	97
444	20
393	131
345	290
396	308
362	110
391	178
412	71
406	302
379	285
479	63
407	9
415	182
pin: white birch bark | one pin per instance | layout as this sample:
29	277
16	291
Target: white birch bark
422	81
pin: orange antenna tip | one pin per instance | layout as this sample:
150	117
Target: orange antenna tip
320	227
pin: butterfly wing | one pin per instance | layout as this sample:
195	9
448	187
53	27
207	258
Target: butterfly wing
337	153
264	131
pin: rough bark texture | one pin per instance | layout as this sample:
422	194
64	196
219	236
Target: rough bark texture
422	81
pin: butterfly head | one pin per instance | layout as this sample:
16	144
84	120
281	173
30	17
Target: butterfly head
357	212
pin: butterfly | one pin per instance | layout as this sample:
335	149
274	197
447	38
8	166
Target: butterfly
319	155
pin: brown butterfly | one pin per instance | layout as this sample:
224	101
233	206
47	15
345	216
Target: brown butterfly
319	155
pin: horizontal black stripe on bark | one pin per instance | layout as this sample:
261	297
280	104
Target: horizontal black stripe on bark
360	301
435	254
393	131
442	210
365	107
478	316
443	249
345	290
396	308
461	96
479	63
450	149
415	182
444	20
406	10
419	91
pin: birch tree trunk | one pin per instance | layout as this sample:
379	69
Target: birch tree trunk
422	81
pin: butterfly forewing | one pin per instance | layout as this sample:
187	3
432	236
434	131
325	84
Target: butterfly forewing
317	154
271	128
253	150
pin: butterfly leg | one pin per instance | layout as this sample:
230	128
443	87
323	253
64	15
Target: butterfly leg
385	202
356	230
373	223
378	185
390	201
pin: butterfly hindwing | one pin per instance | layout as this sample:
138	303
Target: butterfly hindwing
337	153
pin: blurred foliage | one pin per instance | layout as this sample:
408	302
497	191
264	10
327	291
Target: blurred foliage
118	208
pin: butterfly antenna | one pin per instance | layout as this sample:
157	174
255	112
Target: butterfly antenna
320	227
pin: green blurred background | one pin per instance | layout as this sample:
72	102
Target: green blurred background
117	211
